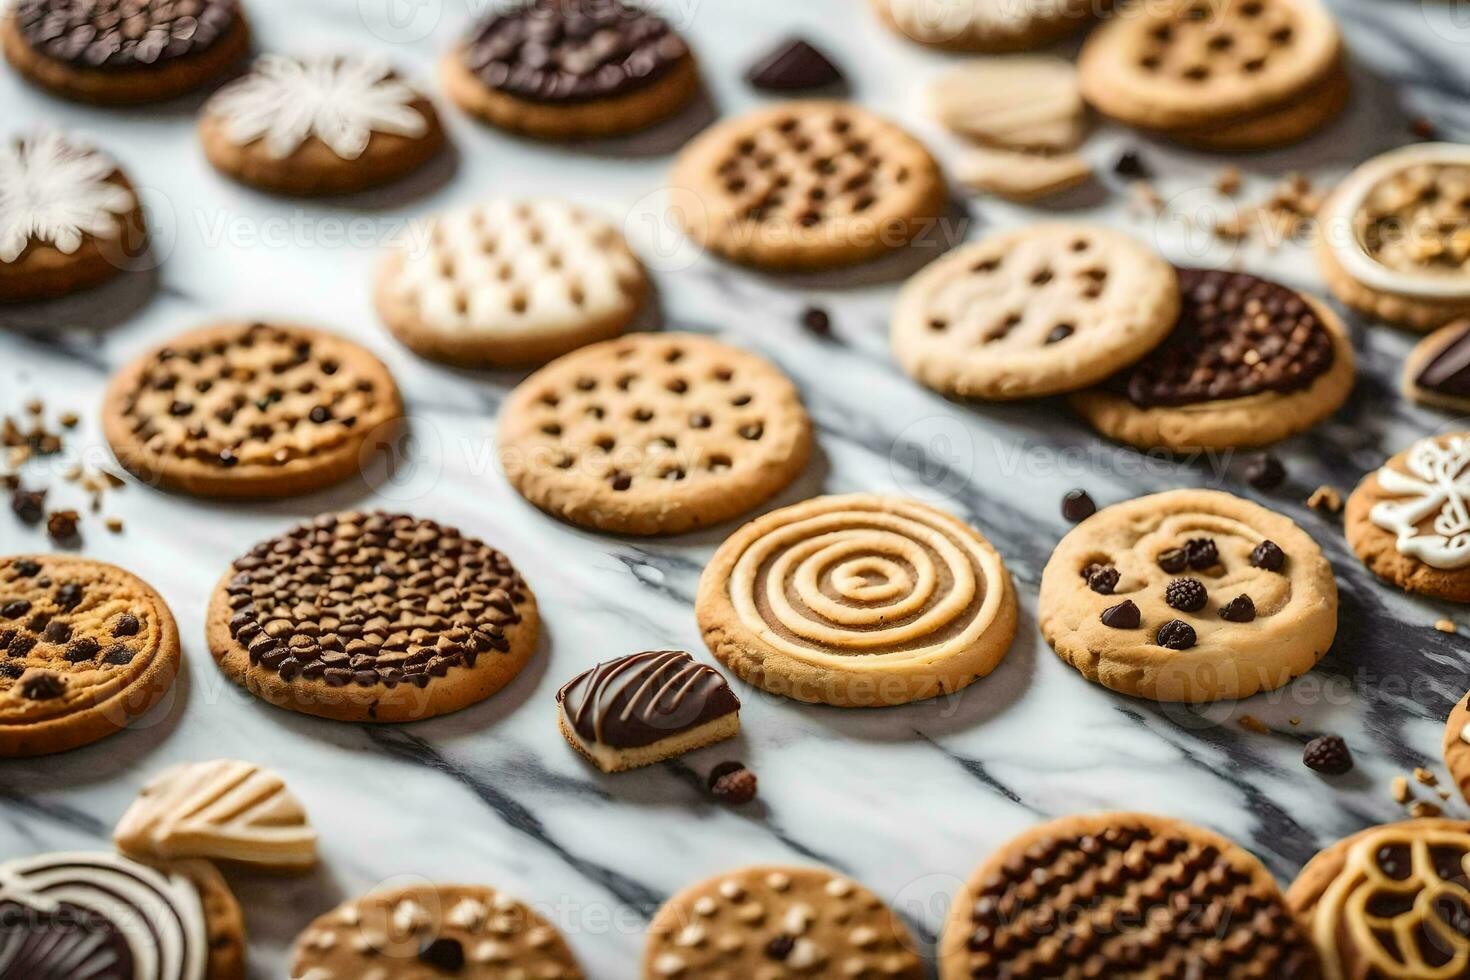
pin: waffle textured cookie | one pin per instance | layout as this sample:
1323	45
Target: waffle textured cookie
1245	74
986	25
372	618
326	124
424	932
564	69
1189	595
857	601
223	810
1457	745
777	922
1047	309
653	434
1409	520
68	217
123	51
1122	895
806	185
1395	241
1437	371
249	410
85	649
1390	902
80	916
510	283
646	707
1249	362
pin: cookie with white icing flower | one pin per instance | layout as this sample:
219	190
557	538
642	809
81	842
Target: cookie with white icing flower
1409	520
327	124
69	218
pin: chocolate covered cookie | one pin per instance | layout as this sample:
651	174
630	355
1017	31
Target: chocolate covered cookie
1437	371
646	707
372	618
249	410
564	69
123	51
85	649
1249	362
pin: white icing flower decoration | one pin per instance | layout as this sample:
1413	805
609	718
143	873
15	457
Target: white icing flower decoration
1438	480
341	100
55	190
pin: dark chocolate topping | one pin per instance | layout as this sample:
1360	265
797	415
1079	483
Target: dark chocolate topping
1237	335
566	51
794	67
65	941
371	599
644	698
123	33
1448	372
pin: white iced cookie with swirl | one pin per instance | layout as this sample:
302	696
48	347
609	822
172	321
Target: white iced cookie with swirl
858	601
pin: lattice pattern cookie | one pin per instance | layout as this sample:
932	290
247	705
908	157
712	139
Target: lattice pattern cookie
806	185
510	283
653	434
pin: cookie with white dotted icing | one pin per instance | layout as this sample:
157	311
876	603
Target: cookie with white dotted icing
771	923
69	218
428	932
326	124
509	283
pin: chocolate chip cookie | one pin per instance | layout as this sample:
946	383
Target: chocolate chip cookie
372	618
85	649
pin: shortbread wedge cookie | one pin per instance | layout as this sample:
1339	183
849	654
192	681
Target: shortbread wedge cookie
1022	102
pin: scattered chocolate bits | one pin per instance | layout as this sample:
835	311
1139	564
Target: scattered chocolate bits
1176	634
446	955
732	783
1123	616
1268	555
1241	609
1186	594
29	505
1328	754
1130	166
817	320
61	525
1078	506
1264	472
1102	579
795	66
1174	561
1423	129
1201	553
42	685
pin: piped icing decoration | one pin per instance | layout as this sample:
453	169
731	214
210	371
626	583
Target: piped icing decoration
1400	223
341	100
123	34
99	917
644	698
1448	371
57	191
1435	488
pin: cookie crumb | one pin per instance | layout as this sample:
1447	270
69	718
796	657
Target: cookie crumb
1325	498
1424	129
1424	808
35	406
732	783
1425	777
1293	722
1399	789
1144	193
1328	754
69	420
1254	724
1130	166
817	320
61	525
1228	181
115	525
1446	626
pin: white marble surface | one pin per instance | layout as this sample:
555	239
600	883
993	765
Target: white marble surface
907	800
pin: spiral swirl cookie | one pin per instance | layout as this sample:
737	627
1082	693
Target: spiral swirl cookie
1249	362
1395	240
653	434
123	51
857	601
1189	595
101	916
777	923
85	649
68	217
805	185
1391	902
510	283
372	617
1047	309
985	25
1122	895
1409	520
249	410
564	69
426	931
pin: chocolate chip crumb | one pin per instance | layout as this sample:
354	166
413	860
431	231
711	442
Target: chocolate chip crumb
1078	506
29	505
1328	754
1176	635
1446	626
1130	166
1124	616
1264	472
61	525
732	783
1424	129
1241	609
1268	555
817	320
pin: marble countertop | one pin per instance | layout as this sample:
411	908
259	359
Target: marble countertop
906	800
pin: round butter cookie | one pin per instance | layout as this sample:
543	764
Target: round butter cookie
85	649
1457	745
655	433
857	601
805	185
1043	310
510	283
779	922
986	25
249	410
1189	595
372	618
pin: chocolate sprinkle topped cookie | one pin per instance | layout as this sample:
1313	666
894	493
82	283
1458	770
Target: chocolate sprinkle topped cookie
249	410
372	617
85	648
1122	895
